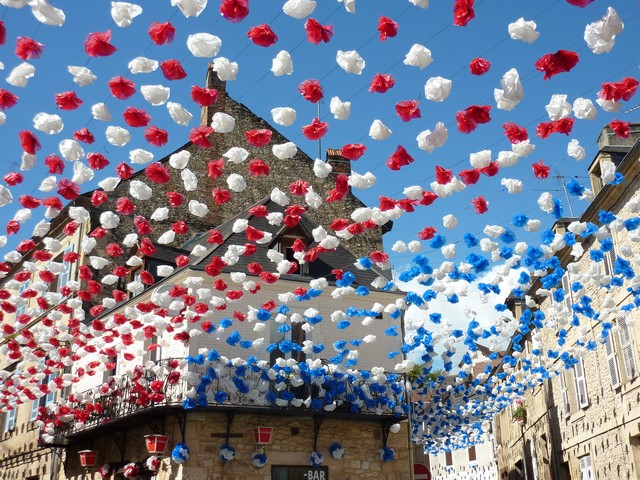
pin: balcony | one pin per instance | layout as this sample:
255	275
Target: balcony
173	386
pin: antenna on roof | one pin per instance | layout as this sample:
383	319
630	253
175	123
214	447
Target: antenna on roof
632	109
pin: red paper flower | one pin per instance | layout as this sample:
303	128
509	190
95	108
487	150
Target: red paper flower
259	211
469	118
443	176
68	189
14	178
480	205
258	138
27	48
469	177
27	201
262	35
299	187
258	168
55	164
490	170
200	136
67	101
515	133
84	135
540	170
156	136
311	90
97	161
121	87
162	33
125	206
175	199
253	234
399	159
136	117
13	227
554	63
381	83
98	197
124	171
463	12
315	130
353	151
316	32
234	10
204	97
215	168
7	99
3	33
97	44
143	226
221	195
157	173
564	125
427	233
479	66
172	70
29	142
620	128
387	28
408	110
580	3
622	90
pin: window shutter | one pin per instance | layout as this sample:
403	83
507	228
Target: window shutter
566	410
581	384
566	286
612	362
51	396
64	277
626	348
11	420
34	410
609	261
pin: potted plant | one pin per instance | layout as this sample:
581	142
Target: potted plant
519	413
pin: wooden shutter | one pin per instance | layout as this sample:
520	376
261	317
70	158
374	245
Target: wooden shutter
566	408
566	286
609	261
626	349
10	422
581	384
612	362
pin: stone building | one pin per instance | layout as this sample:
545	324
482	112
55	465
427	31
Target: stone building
582	421
146	352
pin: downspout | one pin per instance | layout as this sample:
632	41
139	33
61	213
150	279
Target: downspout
554	456
408	394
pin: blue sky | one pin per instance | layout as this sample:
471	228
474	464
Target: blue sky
561	26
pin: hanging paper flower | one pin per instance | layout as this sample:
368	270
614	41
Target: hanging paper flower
463	12
469	118
443	176
7	99
156	136
55	164
259	459
555	63
258	138
387	28
565	125
205	97
84	135
234	10
97	44
480	205
157	173
130	470
620	128
27	48
353	151
381	83
136	117
162	33
315	130
616	91
580	3
387	454
337	451
121	87
200	136
540	170
316	32
408	110
172	70
515	133
262	35
153	463
316	459
311	90
180	453
469	177
227	453
399	158
97	161
67	100
105	470
479	66
3	33
29	142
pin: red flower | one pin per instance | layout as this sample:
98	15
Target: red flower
68	190
262	35
316	32
97	44
13	227
311	90
387	28
408	110
381	83
580	3
253	234
427	233
27	48
157	173
622	90
204	97
125	206
147	247
175	199
162	33
13	178
98	197
55	164
124	171
27	201
258	168
480	205
315	130
67	100
353	151
554	63
84	135
259	211
258	138
469	118
143	226
443	176
200	136
172	70
620	128
221	195
469	177
234	10
515	133
479	66
29	142
399	159
540	170
565	125
136	117
3	33
463	12
7	99
121	87
97	161
215	168
299	187
156	136
490	170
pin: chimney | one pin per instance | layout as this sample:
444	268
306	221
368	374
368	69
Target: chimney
339	163
221	86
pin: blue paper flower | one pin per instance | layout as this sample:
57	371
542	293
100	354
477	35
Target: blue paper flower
180	453
336	450
227	452
387	454
316	459
259	459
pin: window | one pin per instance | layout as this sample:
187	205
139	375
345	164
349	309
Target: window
566	407
64	277
448	459
612	362
472	453
10	420
581	384
566	286
609	261
586	468
626	349
23	309
45	400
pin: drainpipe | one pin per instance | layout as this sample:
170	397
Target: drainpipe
554	456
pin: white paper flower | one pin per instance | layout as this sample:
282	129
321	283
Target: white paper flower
511	93
512	185
46	13
575	150
279	197
82	76
418	56
160	214
524	30
236	183
143	65
299	9
340	110
226	69
480	159
167	237
584	109
49	184
429	141
379	131
109	220
5	196
204	45
284	116
140	156
81	173
282	64
21	74
223	122
109	184
437	89
155	94
236	155
601	35
179	114
117	136
350	61
609	105
523	149
283	151
189	180
123	13
48	123
180	160
198	209
321	169
70	150
190	8
101	112
140	190
558	107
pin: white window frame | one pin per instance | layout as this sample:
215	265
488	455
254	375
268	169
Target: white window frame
10	420
581	384
625	337
586	468
612	362
568	294
609	261
65	277
566	406
24	286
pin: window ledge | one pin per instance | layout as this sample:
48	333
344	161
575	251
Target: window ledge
579	415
